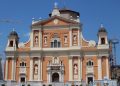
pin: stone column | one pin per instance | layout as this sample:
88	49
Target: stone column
70	69
31	37
78	37
70	33
6	70
31	69
40	41
107	67
49	78
79	69
13	68
39	69
99	69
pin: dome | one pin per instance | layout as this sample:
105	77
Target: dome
13	33
102	29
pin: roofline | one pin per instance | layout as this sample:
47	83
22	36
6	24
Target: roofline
48	19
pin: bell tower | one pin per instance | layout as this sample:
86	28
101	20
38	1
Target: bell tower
13	41
102	36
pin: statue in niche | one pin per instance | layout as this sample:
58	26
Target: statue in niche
74	38
36	69
55	60
45	40
65	39
36	39
75	69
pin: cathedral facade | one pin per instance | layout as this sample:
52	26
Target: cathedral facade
57	52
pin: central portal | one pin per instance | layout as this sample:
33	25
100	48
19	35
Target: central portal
55	77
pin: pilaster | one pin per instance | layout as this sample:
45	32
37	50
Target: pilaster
40	41
39	69
99	69
6	70
70	69
12	69
31	69
107	68
78	37
79	68
31	37
70	33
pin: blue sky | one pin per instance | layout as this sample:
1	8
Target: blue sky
92	14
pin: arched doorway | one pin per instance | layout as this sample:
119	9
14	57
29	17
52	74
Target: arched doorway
55	77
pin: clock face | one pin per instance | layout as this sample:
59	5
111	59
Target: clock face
55	21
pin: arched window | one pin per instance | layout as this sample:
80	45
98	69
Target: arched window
89	63
55	43
11	44
23	64
102	40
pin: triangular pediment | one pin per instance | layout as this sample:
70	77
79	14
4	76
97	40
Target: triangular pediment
55	20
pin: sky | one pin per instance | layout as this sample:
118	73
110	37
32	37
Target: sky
18	14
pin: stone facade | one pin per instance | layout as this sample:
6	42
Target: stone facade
57	52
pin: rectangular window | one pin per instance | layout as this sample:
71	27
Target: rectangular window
102	40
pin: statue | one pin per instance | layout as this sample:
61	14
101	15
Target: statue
65	39
45	40
75	69
36	39
36	69
74	38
